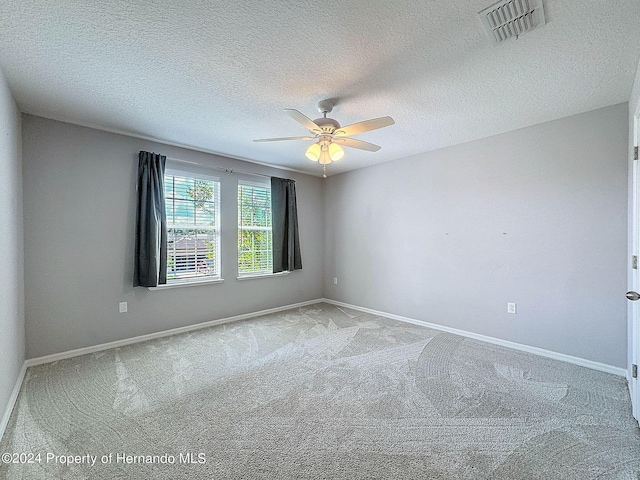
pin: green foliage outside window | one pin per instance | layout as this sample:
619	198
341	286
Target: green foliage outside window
254	229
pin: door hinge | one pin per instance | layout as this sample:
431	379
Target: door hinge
635	152
634	371
634	262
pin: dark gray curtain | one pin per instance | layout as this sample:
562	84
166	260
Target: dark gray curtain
286	244
150	268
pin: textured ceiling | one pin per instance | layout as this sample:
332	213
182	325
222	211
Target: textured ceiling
214	75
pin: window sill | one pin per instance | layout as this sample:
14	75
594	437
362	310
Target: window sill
187	284
262	275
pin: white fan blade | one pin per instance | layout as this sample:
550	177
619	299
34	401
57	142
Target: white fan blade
283	138
304	120
353	143
365	126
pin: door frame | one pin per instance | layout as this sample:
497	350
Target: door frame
634	310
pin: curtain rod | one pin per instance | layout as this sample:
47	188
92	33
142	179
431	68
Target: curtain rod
230	171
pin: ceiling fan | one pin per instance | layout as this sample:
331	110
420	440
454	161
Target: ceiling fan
329	135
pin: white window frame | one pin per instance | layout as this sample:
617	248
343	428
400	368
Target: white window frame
201	279
254	273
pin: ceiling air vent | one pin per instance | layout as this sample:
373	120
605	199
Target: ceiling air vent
512	18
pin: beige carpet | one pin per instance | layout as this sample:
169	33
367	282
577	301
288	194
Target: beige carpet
320	392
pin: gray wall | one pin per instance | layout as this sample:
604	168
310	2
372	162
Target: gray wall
536	216
79	214
11	251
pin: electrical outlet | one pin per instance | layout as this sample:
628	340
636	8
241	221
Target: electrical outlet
122	306
335	280
511	307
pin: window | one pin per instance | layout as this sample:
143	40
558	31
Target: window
193	226
255	256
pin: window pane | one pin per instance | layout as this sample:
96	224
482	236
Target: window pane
182	186
168	187
254	229
205	215
193	233
183	212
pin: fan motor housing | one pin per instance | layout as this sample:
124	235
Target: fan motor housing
327	123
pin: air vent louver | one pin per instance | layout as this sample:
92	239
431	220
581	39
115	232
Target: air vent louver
512	18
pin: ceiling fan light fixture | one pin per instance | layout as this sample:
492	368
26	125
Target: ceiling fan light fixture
335	151
313	152
325	158
329	137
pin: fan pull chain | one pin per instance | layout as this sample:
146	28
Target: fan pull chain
324	171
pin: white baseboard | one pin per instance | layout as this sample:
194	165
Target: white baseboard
12	400
143	338
165	333
602	367
476	336
129	341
